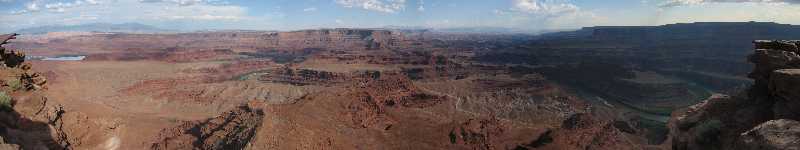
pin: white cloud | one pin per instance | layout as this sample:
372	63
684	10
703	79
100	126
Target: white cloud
60	6
179	2
196	16
143	9
500	12
421	5
546	14
385	6
199	12
37	5
673	3
30	7
33	6
310	9
544	7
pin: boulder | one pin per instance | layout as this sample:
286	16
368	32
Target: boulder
780	134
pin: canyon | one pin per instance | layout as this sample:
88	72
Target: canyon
763	116
658	87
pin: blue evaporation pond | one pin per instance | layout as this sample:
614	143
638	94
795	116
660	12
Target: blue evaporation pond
64	58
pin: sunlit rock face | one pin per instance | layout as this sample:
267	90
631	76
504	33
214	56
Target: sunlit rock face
230	130
772	135
30	120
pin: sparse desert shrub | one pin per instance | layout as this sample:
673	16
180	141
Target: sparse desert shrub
172	120
453	136
375	74
5	101
708	132
14	83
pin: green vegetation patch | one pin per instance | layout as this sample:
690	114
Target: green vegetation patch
247	76
5	102
14	83
453	137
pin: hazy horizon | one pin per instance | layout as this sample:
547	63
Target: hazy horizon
283	15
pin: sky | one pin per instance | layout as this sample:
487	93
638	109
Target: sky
310	14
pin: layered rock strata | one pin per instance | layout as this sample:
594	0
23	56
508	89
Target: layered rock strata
763	117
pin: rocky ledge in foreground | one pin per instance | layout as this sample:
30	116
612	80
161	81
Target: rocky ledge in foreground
762	117
230	130
29	120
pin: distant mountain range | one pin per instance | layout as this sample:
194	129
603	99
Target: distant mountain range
94	27
743	31
496	30
482	30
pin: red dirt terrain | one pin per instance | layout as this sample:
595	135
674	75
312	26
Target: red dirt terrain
313	89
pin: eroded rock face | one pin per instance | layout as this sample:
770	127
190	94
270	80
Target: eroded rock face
784	88
378	91
230	130
479	134
583	131
301	77
779	134
717	123
34	121
768	60
28	122
786	45
783	84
